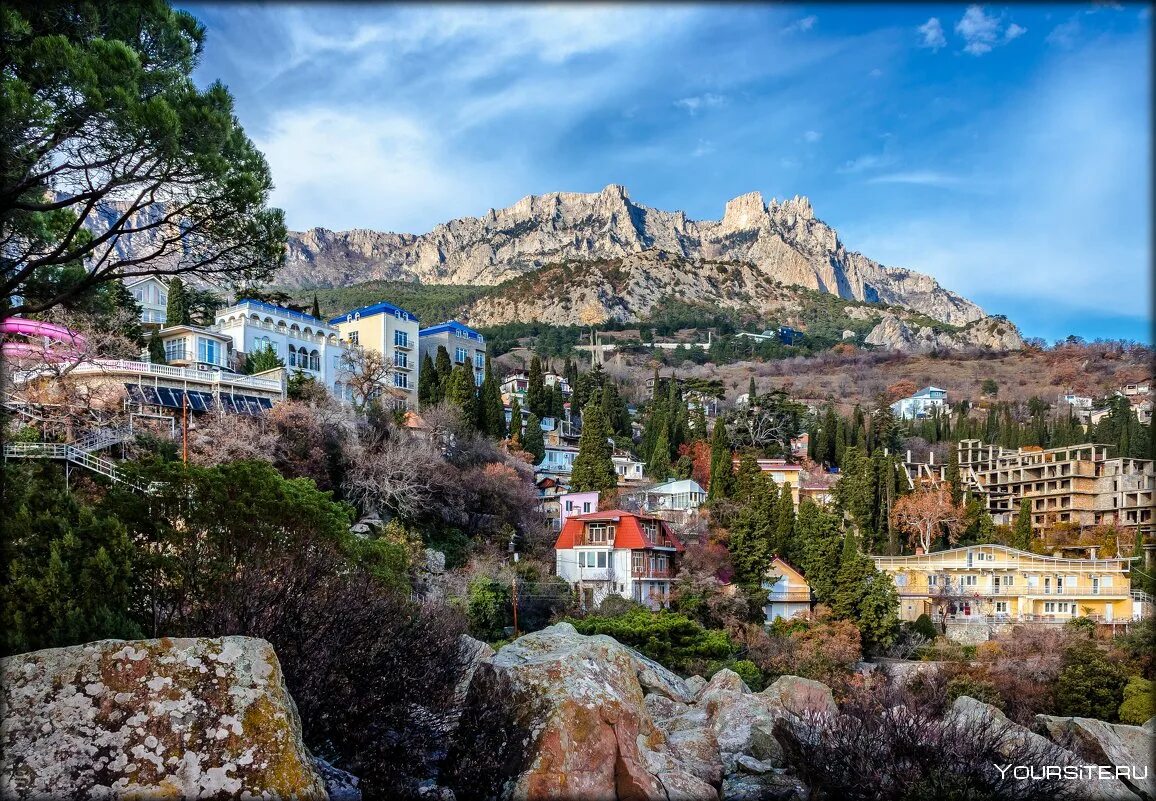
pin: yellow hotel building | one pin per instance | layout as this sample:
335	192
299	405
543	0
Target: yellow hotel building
996	583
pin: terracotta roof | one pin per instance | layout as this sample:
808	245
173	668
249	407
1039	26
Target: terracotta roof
627	532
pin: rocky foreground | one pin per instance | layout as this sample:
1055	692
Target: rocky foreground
554	714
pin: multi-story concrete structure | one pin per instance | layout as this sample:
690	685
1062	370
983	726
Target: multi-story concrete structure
923	403
674	501
1079	484
301	341
618	553
462	343
392	332
1002	584
788	593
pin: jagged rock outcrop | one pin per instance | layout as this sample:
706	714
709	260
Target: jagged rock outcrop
182	718
989	333
781	241
1100	743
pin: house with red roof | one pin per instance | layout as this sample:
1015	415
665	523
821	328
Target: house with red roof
616	552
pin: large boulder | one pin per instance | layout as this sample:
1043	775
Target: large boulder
556	714
1128	748
185	718
1022	746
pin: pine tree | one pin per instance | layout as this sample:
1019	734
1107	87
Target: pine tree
444	369
536	389
721	464
461	391
533	441
157	350
493	413
593	466
427	383
316	310
658	468
177	311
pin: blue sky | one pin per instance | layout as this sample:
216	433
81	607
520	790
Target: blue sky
1002	149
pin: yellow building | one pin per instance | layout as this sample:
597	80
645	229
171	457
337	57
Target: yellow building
996	583
392	332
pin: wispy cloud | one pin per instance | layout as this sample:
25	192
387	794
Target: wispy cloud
932	33
812	136
704	148
804	24
697	103
917	178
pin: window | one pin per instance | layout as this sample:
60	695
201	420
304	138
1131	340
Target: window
401	380
585	507
400	358
315	361
208	350
461	354
969	581
932	580
174	349
601	558
352	337
400	339
901	580
599	533
1009	580
636	561
569	506
480	360
1001	607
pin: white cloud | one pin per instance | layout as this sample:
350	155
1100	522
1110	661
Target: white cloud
932	32
1014	32
361	169
812	136
875	73
1065	35
866	162
917	177
981	31
698	102
704	148
804	24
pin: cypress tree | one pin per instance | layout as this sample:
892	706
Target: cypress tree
594	465
444	368
751	391
157	350
533	441
1022	532
785	524
121	299
493	413
177	310
536	400
854	568
427	383
721	465
316	310
515	420
746	478
953	478
658	468
818	532
461	392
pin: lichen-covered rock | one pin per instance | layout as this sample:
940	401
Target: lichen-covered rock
1101	743
184	718
575	725
340	785
801	696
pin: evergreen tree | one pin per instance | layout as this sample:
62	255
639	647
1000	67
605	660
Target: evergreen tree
120	298
177	311
493	413
785	524
533	441
556	404
428	384
747	478
264	359
536	389
157	350
821	538
854	567
878	612
444	368
316	310
461	391
516	420
1022	532
953	478
750	537
751	391
658	468
721	464
593	466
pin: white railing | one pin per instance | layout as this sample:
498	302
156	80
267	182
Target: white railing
71	453
177	373
286	331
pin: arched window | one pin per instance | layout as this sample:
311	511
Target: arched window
292	356
314	360
307	331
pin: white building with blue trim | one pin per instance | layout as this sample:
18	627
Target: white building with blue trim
923	403
461	342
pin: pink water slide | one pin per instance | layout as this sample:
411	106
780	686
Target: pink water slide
62	342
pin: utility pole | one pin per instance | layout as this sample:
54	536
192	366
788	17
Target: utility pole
515	543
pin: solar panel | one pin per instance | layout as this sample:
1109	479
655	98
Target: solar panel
169	398
265	403
227	404
197	401
134	393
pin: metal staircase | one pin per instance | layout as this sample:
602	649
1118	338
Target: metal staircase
73	454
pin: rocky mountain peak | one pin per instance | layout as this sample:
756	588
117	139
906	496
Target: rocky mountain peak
744	211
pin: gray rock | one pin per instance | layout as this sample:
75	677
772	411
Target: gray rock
695	685
1100	743
767	787
339	784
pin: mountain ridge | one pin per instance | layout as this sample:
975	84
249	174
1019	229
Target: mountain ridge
783	240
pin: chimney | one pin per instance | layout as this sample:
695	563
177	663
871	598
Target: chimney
931	457
919	550
909	457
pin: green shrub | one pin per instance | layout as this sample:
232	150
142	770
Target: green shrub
1090	685
1138	704
490	609
669	638
749	672
924	626
1081	625
978	689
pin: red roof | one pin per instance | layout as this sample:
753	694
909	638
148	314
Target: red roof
628	531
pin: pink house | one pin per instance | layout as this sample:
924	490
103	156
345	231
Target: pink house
573	504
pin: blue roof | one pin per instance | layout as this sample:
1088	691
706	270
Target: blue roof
260	304
377	308
451	326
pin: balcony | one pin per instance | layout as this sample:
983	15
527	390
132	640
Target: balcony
793	596
118	367
651	573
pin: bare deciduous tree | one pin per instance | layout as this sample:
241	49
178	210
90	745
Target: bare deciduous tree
925	513
369	375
